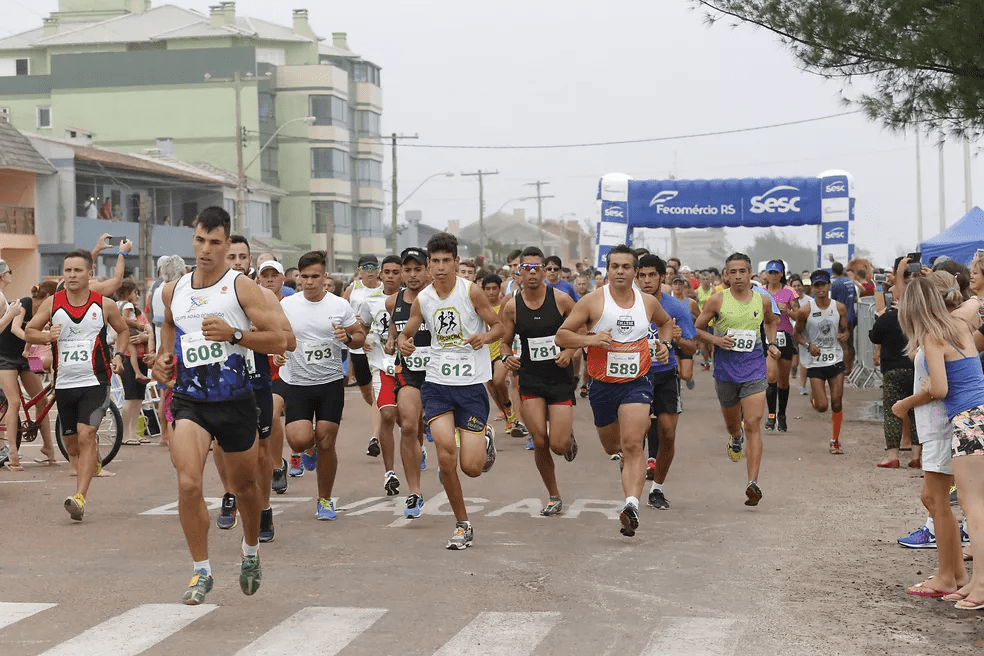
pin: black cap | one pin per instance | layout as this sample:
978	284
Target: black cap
414	253
369	259
820	276
679	278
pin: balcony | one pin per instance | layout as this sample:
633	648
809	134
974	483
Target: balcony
16	220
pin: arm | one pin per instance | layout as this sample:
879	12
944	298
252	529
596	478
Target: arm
685	336
164	364
110	286
565	305
569	335
33	333
937	387
281	316
404	340
484	309
390	347
508	311
771	321
131	319
842	331
268	336
14	311
17	325
113	317
351	332
711	308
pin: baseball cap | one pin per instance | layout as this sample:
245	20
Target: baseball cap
684	269
272	264
679	278
414	253
369	259
819	277
774	266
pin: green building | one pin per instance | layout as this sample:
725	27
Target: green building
166	79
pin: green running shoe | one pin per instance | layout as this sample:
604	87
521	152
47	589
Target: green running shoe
201	584
250	575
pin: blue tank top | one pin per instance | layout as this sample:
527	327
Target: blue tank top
965	385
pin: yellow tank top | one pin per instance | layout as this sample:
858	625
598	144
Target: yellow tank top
702	296
494	346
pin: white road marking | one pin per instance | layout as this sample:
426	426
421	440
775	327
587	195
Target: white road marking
11	612
695	636
8	482
133	632
314	631
501	634
214	503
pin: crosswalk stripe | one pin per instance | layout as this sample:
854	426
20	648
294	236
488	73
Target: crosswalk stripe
695	636
11	612
314	631
501	634
132	632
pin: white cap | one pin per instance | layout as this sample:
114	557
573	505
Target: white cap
272	264
685	269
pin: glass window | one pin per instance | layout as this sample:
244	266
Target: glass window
370	173
332	216
329	110
368	123
370	222
44	117
22	66
329	163
267	107
361	71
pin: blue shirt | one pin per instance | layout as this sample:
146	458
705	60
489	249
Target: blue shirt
286	291
765	292
843	291
677	310
565	287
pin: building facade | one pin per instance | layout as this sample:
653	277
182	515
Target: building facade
169	80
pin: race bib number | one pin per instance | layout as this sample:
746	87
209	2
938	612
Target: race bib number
417	361
73	351
622	365
196	351
653	349
744	340
315	352
781	338
542	348
827	356
456	365
250	363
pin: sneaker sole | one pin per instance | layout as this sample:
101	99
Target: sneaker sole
919	546
235	522
629	524
74	510
571	452
297	474
754	496
550	511
249	584
373	451
458	547
392	487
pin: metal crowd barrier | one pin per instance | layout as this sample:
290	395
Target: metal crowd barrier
865	373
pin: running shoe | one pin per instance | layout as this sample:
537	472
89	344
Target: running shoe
266	525
4	454
964	538
734	447
650	469
953	495
690	384
553	507
754	494
629	517
296	470
519	430
617	457
501	416
423	458
391	484
280	478
794	372
250	575
529	444
373	450
75	506
571	450
804	390
509	427
658	501
462	537
584	391
309	459
705	366
510	417
427	432
835	447
415	504
921	538
770	423
326	509
201	585
781	423
489	447
228	513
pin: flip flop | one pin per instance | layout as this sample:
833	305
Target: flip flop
891	464
50	462
131	442
971	604
14	468
915	463
953	596
923	590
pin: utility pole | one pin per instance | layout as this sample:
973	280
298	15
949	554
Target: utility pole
539	204
394	138
481	205
237	84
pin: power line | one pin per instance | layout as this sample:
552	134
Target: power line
594	144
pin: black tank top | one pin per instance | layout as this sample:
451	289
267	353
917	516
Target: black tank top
401	314
11	345
542	322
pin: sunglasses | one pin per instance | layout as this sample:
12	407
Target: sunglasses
530	266
553	268
368	267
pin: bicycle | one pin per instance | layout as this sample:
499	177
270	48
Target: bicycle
109	435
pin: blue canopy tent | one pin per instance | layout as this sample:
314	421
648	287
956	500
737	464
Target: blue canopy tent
958	242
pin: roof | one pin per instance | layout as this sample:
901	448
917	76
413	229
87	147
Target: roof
232	178
17	153
507	229
960	241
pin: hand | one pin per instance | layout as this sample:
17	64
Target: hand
389	348
406	347
216	330
814	350
13	307
367	347
776	353
54	332
677	330
726	342
118	365
925	387
164	368
475	341
140	338
876	358
604	338
126	245
663	354
340	333
512	363
103	242
900	409
149	358
280	359
563	359
842	336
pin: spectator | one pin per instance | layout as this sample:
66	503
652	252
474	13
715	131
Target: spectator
897	376
553	279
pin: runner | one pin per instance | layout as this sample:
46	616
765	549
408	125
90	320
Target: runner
312	382
204	342
466	270
548	378
778	370
821	327
682	291
704	292
453	395
739	362
553	267
367	285
618	321
498	387
376	319
667	401
82	364
410	372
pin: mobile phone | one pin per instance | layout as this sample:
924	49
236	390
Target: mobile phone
880	278
889	299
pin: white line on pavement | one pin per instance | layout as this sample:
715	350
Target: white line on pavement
6	482
695	636
314	631
11	612
133	632
501	634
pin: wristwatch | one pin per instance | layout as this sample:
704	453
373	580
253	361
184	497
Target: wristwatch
503	358
348	338
236	336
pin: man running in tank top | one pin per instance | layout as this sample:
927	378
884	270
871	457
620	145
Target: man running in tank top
704	292
410	373
618	318
204	343
821	327
739	313
682	290
777	377
376	318
82	364
367	285
454	396
547	379
312	380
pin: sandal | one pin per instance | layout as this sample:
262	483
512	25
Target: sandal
916	463
922	590
12	467
131	442
969	604
891	464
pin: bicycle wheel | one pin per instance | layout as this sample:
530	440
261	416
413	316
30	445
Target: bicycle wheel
109	435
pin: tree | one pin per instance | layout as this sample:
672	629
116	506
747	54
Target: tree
922	58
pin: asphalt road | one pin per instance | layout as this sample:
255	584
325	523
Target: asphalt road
814	569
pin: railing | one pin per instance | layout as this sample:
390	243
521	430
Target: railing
16	220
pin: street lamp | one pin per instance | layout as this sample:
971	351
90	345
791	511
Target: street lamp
396	205
308	119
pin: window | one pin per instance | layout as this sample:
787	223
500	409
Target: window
44	117
328	110
368	123
329	163
22	67
332	216
370	173
369	221
366	72
266	106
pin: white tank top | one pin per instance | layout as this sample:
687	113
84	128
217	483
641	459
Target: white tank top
451	321
208	371
821	331
81	355
318	356
359	294
629	356
627	325
375	317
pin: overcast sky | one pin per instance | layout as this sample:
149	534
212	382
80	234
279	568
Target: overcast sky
565	72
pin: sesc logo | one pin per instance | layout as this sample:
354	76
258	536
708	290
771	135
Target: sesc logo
663	197
835	233
836	187
772	204
615	211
